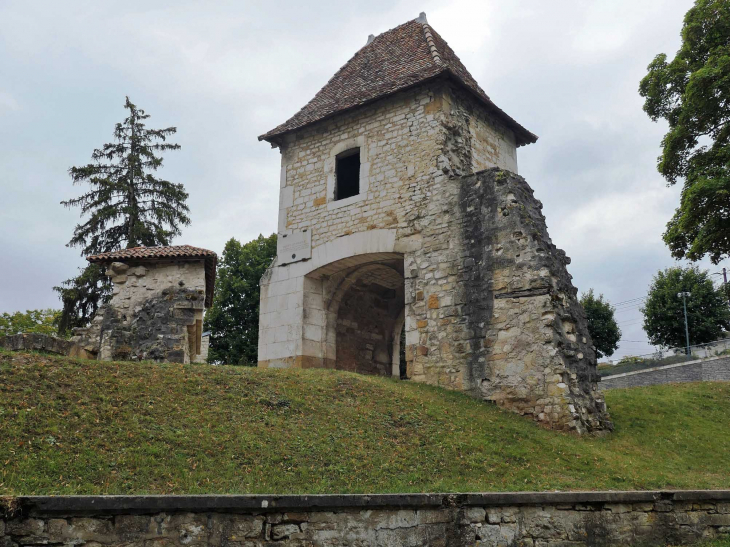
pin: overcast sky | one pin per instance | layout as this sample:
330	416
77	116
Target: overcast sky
225	72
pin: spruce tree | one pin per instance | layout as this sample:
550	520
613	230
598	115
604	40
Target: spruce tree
126	206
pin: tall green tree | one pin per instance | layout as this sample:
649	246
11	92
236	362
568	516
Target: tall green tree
34	321
126	206
602	325
708	314
233	320
692	93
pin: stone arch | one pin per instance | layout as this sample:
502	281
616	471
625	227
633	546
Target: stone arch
363	301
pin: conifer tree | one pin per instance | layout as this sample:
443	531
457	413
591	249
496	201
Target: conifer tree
126	206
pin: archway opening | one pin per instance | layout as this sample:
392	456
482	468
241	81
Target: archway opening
369	319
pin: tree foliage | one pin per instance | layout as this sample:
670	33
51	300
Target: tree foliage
32	321
233	320
707	310
126	206
602	325
692	93
81	296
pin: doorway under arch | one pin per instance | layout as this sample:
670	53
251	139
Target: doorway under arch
365	311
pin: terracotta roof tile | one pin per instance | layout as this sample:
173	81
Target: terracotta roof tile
151	253
155	254
400	58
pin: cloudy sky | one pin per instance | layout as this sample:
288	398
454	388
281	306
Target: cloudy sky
224	72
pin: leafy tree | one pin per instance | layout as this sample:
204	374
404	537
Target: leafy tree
692	93
82	296
35	321
233	320
602	325
127	206
707	310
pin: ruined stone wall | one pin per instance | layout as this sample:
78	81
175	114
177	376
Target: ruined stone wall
595	519
155	313
36	342
492	310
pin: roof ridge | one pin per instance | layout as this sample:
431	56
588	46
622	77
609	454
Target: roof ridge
429	40
395	60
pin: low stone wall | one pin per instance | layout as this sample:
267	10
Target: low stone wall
36	342
709	370
556	519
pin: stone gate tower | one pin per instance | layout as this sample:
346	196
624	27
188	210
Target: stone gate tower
400	209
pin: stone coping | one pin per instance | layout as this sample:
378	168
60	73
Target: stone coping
663	367
67	505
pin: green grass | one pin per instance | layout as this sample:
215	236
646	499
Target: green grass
725	542
88	427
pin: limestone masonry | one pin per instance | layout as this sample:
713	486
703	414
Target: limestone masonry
525	519
401	211
156	309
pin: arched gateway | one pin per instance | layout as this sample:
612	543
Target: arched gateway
400	209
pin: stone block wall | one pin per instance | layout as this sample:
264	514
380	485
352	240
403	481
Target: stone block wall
566	519
402	143
156	313
715	369
403	153
491	309
36	342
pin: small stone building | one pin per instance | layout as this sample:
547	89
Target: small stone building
157	304
401	209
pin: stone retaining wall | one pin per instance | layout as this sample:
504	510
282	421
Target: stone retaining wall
708	370
495	519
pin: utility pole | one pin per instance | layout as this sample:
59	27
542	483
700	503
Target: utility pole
684	296
724	284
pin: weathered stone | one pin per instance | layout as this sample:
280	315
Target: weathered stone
391	520
36	342
25	527
475	514
155	313
282	531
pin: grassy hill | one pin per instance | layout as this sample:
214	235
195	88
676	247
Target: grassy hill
86	427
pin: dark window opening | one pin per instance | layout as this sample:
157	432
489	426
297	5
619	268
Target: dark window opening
347	174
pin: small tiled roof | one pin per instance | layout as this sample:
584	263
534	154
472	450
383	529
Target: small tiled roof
395	60
159	254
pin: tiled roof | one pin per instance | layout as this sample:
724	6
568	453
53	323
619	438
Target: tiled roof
151	253
154	254
400	58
